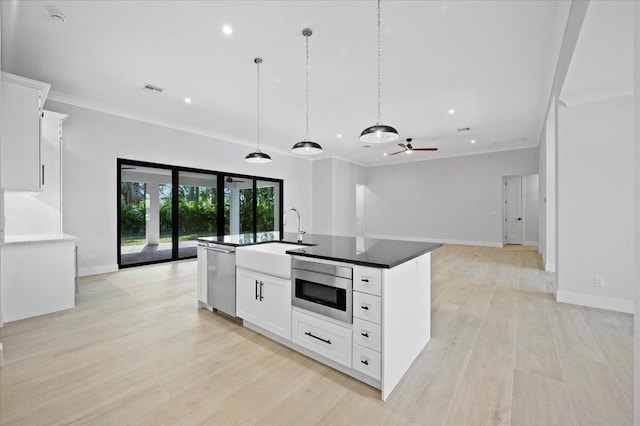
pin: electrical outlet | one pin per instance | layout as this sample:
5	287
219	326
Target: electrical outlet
92	257
598	281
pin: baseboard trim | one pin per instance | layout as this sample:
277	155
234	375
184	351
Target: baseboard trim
97	270
531	243
592	301
437	240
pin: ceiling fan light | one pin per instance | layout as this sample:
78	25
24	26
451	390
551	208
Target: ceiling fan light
257	157
307	148
379	133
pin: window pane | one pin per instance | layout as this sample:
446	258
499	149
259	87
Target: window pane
197	210
145	214
268	211
238	205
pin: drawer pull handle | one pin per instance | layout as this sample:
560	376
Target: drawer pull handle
364	334
316	337
365	280
365	361
365	307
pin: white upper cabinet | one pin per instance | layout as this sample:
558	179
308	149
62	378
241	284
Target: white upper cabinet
20	132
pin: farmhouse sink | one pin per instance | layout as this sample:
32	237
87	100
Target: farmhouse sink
268	258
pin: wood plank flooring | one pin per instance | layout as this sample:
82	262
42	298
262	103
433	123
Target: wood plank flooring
136	350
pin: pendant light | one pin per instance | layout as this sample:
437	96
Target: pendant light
307	146
379	133
258	156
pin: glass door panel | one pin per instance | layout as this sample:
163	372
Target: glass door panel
238	205
268	207
197	210
145	214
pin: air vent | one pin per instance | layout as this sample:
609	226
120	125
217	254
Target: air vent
152	89
464	129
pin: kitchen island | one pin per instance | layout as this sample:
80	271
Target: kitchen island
372	328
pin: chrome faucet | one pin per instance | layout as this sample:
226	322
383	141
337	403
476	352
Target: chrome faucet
284	222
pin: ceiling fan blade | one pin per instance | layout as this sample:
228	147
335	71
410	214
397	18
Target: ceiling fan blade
425	149
399	152
401	145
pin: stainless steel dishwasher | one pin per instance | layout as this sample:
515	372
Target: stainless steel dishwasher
221	277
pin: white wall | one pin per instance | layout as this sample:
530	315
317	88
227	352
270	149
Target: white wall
530	208
455	200
93	140
547	190
595	204
636	281
334	196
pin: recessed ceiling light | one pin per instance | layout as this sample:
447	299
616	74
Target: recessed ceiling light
187	100
385	154
473	141
452	111
339	135
227	30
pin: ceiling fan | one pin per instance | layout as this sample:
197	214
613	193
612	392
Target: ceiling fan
408	148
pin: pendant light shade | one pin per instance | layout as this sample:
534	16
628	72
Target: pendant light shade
307	147
258	156
379	133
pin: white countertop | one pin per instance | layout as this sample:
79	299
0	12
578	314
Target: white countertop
37	238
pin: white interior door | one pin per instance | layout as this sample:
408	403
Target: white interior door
513	210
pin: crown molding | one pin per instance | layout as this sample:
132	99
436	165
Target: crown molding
596	95
132	115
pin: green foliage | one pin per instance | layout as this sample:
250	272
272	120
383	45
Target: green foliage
197	211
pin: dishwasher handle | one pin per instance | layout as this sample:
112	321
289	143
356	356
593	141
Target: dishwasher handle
219	250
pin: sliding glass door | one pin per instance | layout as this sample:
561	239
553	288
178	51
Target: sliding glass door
197	210
163	210
146	225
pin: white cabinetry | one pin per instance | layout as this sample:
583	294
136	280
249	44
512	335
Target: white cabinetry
49	286
265	301
367	320
202	277
21	109
322	337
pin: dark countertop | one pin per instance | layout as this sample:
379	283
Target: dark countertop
372	252
375	253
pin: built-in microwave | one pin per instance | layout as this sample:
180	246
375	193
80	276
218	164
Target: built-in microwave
323	288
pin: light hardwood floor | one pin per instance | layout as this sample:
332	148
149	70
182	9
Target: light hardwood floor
137	351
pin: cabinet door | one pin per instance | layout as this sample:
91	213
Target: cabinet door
277	305
248	304
20	133
202	276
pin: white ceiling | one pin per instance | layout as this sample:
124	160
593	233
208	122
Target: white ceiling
485	59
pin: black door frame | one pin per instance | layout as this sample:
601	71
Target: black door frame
220	218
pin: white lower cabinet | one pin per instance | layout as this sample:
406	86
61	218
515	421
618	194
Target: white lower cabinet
323	337
202	277
367	334
264	301
367	361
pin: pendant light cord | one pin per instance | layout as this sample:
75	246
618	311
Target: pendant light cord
379	120
258	106
307	79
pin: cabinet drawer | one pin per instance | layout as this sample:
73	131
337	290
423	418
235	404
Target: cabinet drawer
367	307
366	361
367	280
366	333
324	338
